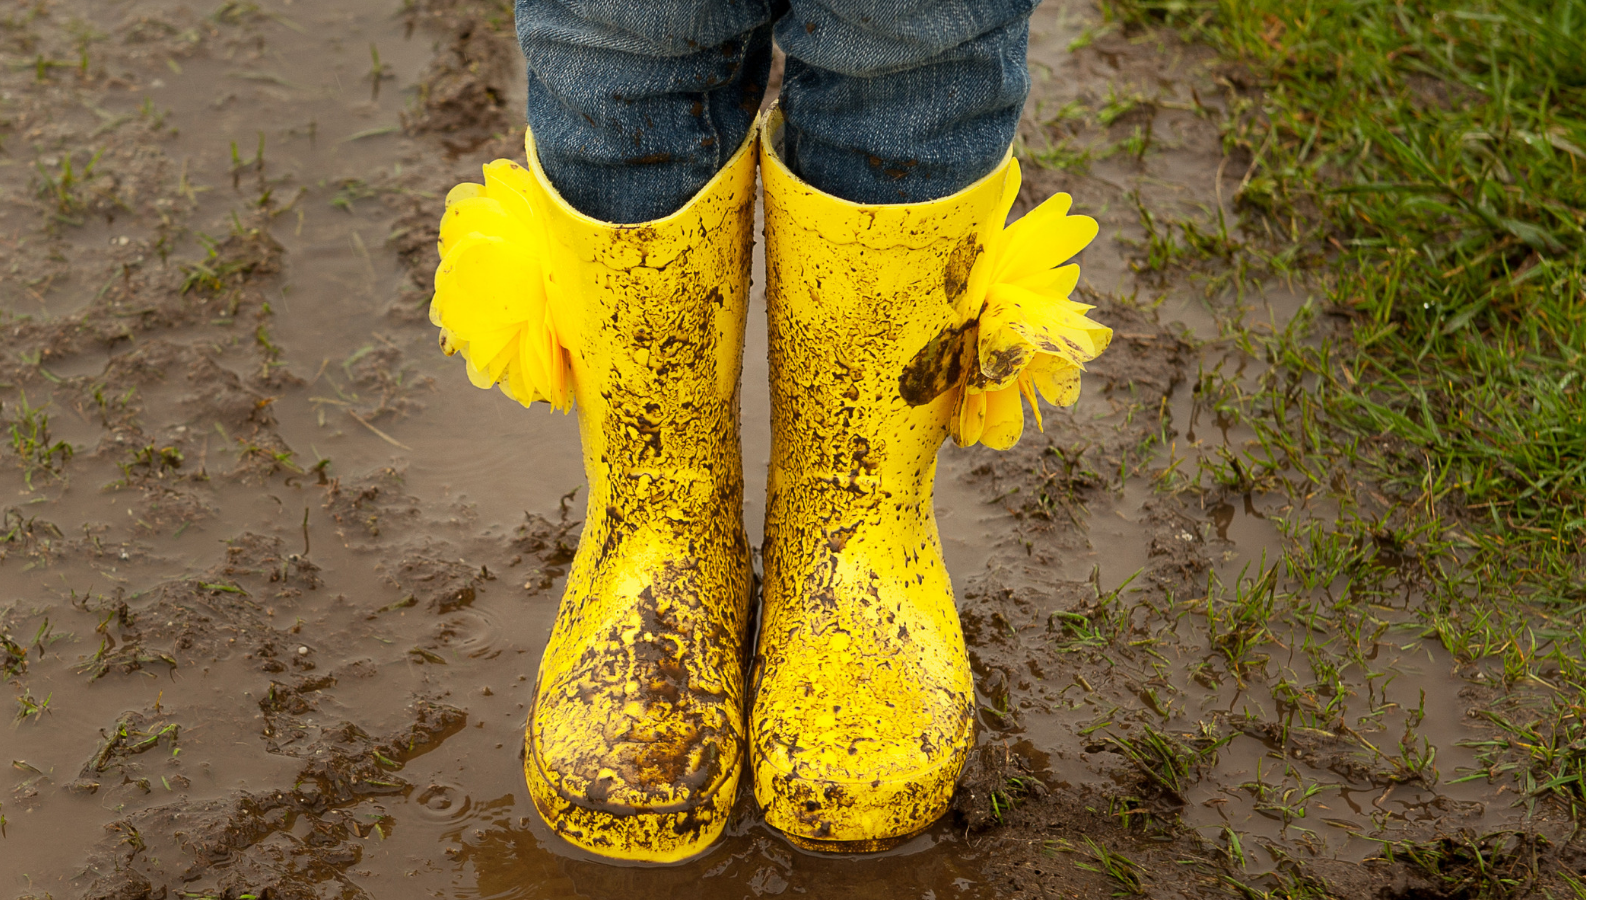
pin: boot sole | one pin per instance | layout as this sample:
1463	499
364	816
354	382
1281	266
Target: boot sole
869	846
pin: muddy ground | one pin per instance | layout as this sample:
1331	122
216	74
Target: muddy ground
274	579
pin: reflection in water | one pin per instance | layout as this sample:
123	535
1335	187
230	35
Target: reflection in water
1221	518
502	856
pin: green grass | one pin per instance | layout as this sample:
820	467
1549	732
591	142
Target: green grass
1417	168
1544	751
1122	871
13	657
1170	764
30	441
1499	864
1239	625
30	706
62	185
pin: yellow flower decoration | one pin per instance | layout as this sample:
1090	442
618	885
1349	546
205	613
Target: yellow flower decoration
1031	340
491	292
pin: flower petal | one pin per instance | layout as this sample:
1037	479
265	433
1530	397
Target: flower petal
482	215
967	420
535	366
491	343
562	387
480	376
449	342
1043	239
502	363
1059	281
512	186
490	290
1021	238
1003	419
991	240
1025	387
1058	380
1002	352
487	282
463	191
1050	323
517	386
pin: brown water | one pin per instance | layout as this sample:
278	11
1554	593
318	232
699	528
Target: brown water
429	482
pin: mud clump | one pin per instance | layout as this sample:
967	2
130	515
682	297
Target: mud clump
996	781
1143	353
463	92
145	295
124	650
25	535
250	842
361	506
1052	471
1180	555
219	393
256	555
210	616
1063	844
437	584
134	733
549	546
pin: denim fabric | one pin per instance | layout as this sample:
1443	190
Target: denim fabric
635	106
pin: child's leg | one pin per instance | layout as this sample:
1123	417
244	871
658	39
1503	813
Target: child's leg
901	101
635	106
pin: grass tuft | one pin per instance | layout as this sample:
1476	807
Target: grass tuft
30	441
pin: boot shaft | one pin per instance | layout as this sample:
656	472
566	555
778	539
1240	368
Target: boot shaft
861	302
653	318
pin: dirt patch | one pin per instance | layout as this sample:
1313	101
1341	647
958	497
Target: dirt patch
248	843
462	95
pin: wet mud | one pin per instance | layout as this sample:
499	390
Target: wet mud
275	580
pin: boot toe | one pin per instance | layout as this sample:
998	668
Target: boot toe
865	772
634	750
629	782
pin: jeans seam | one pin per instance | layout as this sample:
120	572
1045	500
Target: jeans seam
708	122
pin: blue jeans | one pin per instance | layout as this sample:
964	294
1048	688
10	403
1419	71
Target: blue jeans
636	104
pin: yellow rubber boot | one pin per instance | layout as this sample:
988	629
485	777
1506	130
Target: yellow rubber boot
890	328
635	740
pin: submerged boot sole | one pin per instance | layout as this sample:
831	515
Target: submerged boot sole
868	846
807	813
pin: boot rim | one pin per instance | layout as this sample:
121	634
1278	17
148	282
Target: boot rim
771	122
536	168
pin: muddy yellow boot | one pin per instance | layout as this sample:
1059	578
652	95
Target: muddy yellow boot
890	328
635	739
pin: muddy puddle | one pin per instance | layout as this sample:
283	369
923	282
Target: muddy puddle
275	580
